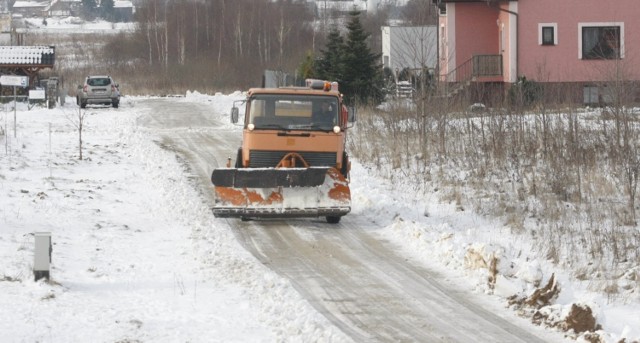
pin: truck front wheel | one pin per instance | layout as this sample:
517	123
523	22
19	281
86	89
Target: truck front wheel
345	165
239	158
333	219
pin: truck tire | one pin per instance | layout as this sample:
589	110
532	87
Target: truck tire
333	219
345	165
239	158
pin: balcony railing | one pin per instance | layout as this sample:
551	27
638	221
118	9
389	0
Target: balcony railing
475	68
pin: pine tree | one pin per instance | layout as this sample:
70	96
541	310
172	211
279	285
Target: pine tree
352	64
330	65
306	68
88	9
106	9
361	74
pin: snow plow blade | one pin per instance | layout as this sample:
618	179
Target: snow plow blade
280	193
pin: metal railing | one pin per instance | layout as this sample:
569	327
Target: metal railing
476	67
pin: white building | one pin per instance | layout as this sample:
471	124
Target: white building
31	8
413	47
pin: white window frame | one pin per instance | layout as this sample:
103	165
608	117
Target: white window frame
598	24
555	32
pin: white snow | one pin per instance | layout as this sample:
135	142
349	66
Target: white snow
67	25
137	254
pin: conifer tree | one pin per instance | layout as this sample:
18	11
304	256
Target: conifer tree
88	9
306	69
352	64
106	9
330	64
361	71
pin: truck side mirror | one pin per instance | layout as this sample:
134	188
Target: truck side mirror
234	115
351	118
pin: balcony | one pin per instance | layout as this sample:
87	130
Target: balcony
479	68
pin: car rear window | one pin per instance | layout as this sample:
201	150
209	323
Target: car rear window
99	82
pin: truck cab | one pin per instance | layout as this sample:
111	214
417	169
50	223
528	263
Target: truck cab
293	146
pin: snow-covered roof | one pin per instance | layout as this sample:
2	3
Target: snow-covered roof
30	4
25	54
344	6
122	4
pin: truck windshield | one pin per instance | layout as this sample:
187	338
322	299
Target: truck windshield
293	112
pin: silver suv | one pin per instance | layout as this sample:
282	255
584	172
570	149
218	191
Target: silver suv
100	89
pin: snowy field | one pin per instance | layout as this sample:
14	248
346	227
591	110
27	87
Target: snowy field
137	254
74	25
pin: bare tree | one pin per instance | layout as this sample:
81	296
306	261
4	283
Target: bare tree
619	92
78	122
420	13
283	32
219	39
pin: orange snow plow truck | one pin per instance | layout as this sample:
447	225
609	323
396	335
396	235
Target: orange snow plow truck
292	162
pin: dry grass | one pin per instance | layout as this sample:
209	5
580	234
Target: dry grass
568	169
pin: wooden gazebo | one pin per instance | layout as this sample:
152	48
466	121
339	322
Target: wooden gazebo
26	60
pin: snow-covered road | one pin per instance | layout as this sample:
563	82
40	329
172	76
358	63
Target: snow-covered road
349	273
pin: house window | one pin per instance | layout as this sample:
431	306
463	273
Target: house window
548	34
601	42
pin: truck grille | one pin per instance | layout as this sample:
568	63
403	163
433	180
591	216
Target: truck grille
265	159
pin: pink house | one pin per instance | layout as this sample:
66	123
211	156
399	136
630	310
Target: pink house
577	44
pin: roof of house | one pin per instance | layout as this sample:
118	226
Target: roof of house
30	4
32	55
122	4
340	5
